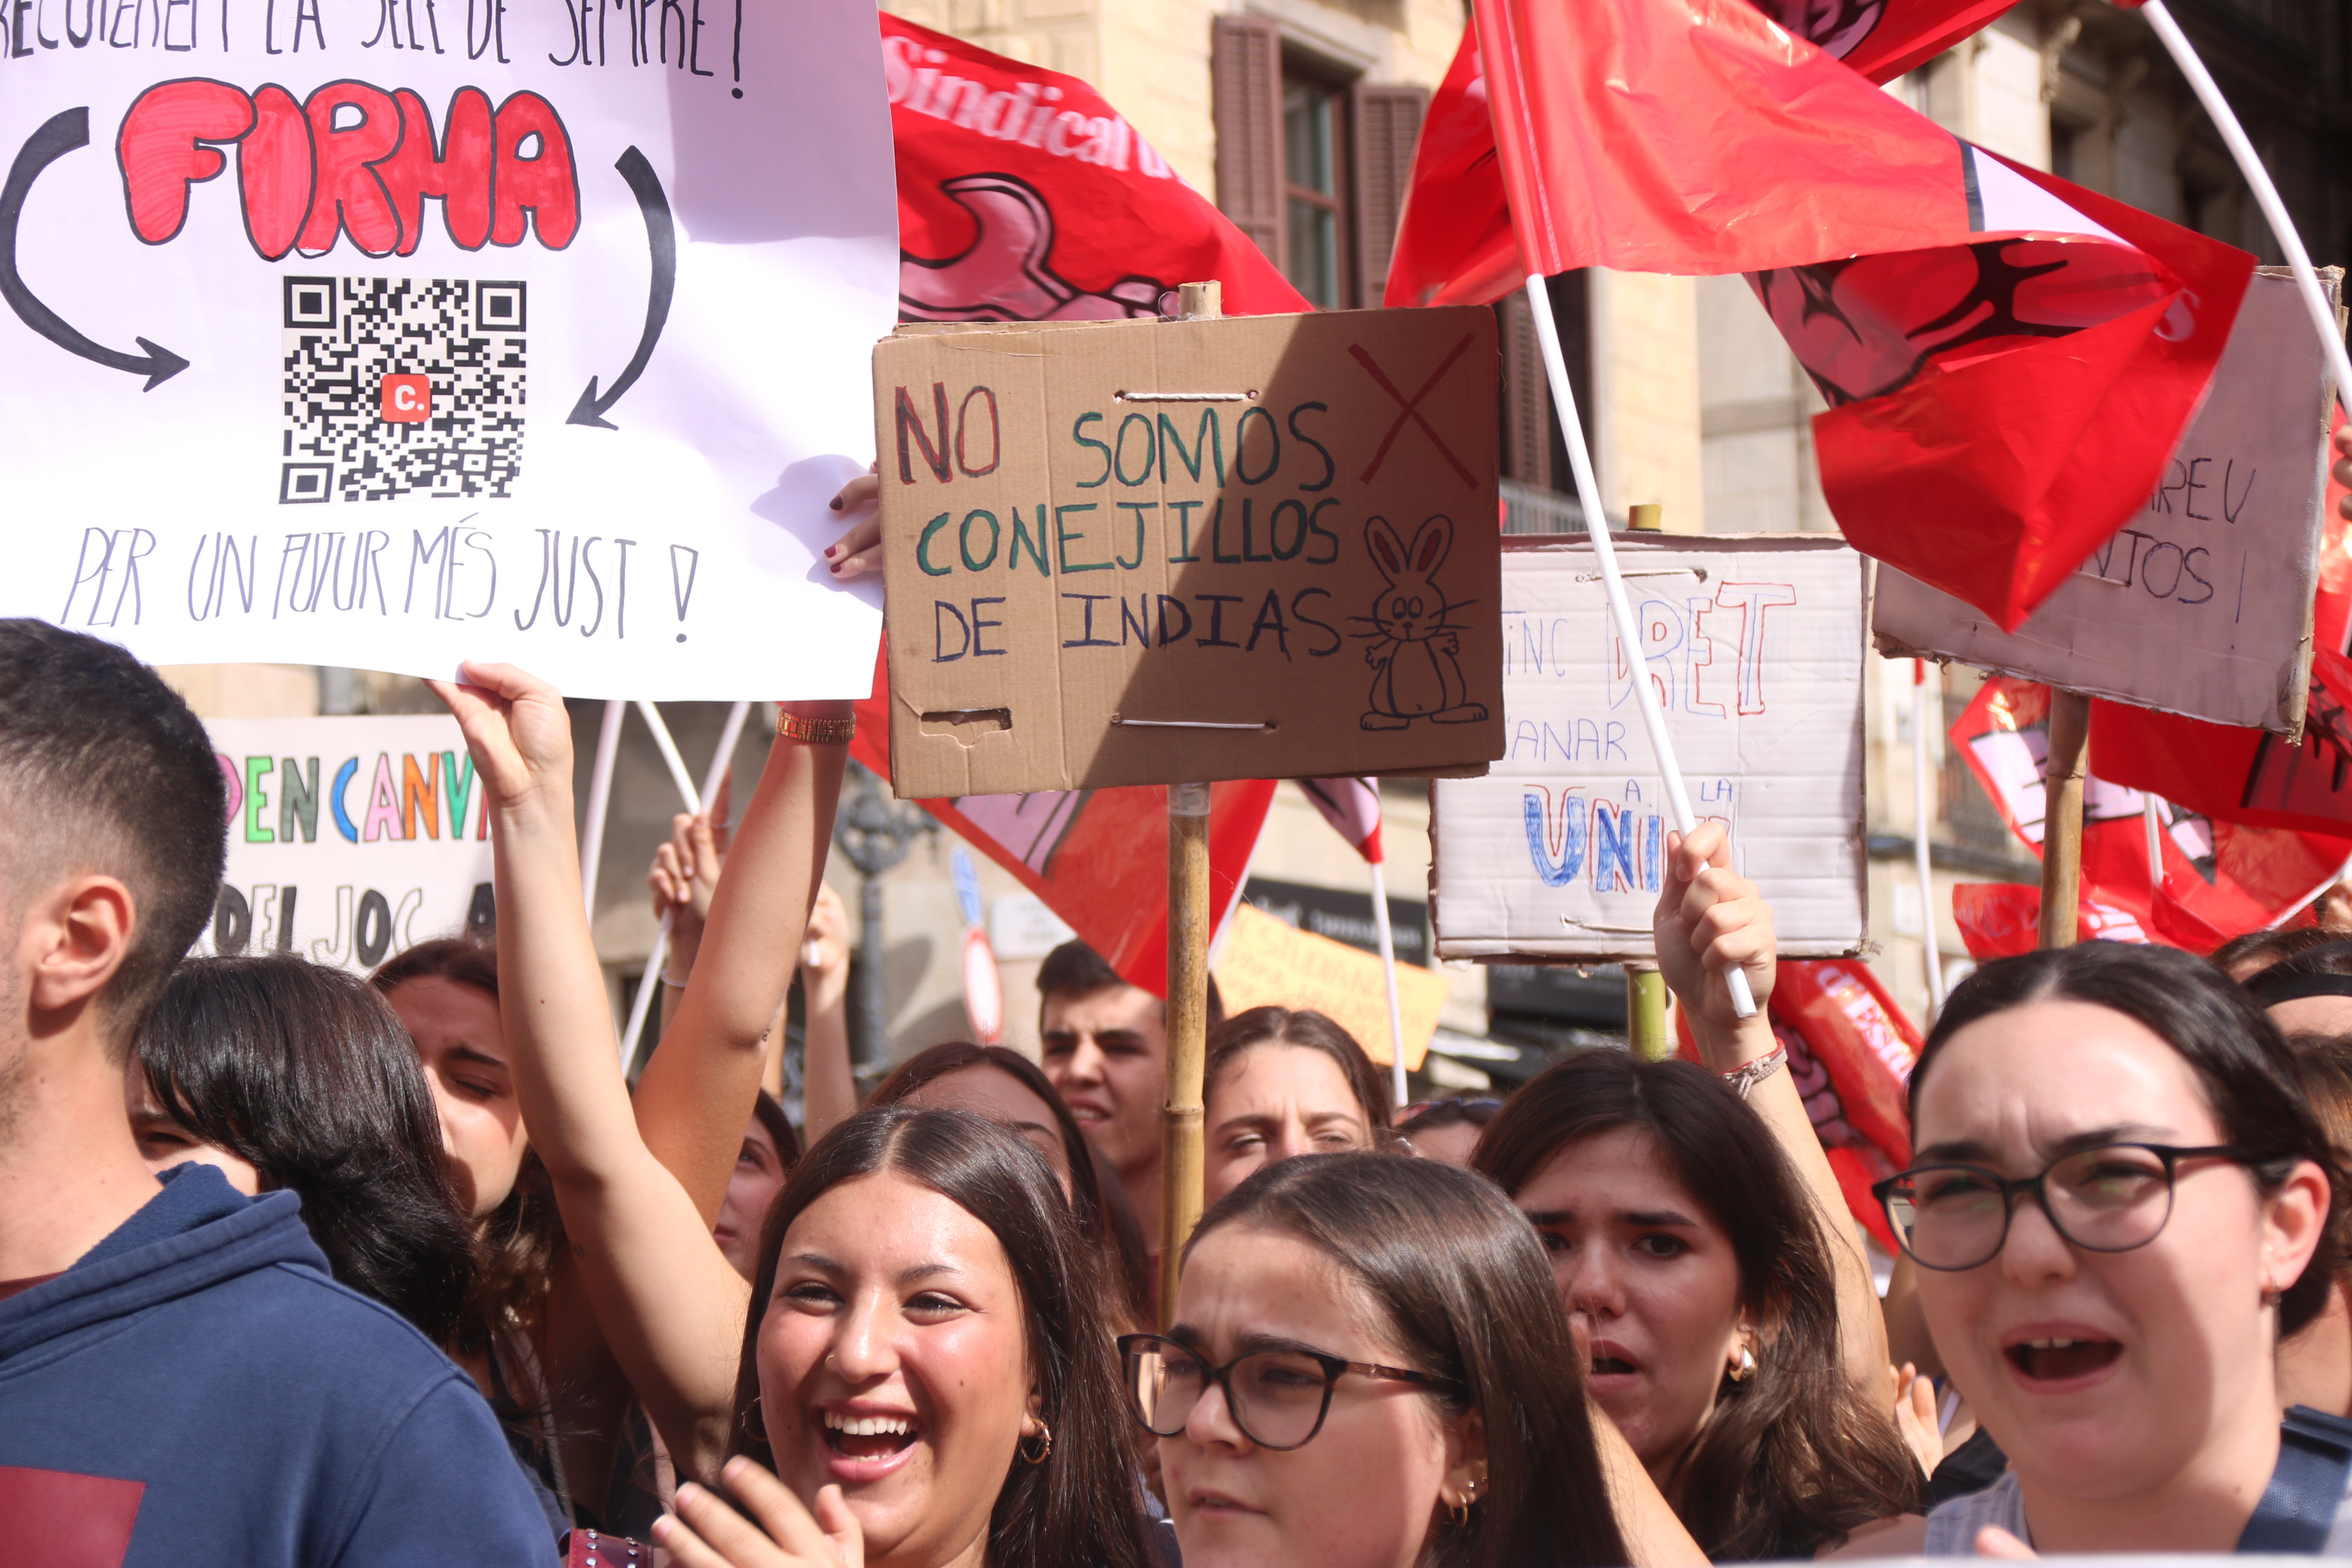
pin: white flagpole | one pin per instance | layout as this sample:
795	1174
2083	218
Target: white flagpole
1919	799
1621	608
659	953
1388	970
2233	135
600	801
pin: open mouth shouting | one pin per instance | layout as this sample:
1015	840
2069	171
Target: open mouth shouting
866	1446
1610	1368
2056	1360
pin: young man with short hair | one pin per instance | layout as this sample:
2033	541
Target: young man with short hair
180	1380
1106	1050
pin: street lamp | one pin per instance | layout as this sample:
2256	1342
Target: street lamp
875	832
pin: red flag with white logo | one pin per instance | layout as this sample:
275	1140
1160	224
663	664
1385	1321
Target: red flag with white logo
2009	359
2215	880
1023	196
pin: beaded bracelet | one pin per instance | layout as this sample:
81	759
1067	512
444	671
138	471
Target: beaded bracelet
1744	1078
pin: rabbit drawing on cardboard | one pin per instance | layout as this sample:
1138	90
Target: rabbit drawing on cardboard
1414	651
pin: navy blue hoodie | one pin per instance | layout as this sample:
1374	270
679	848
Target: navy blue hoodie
197	1391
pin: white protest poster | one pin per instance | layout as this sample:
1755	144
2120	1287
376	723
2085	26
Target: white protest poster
349	839
2203	604
387	333
1754	644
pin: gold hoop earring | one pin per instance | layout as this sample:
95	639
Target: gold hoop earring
753	1423
1459	1511
1746	1367
1044	1451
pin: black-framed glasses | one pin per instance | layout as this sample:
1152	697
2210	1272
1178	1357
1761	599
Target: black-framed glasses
1278	1397
2110	1199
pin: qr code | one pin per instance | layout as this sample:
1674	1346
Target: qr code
400	387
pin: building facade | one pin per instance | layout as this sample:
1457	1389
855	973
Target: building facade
1298	117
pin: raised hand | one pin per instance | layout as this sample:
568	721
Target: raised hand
1710	919
516	728
685	872
859	551
1915	1415
705	1532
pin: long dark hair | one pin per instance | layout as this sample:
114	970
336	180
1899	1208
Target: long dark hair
1245	1031
1081	1508
305	1073
1462	1286
517	1244
2249	1074
1108	1227
1794	1458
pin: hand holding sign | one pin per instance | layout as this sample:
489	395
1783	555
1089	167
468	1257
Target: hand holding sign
517	729
1710	920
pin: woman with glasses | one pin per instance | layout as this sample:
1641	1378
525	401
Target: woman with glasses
1369	1369
1701	1242
2117	1202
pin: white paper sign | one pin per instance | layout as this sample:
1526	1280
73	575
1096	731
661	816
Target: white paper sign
2203	604
1754	646
349	839
389	333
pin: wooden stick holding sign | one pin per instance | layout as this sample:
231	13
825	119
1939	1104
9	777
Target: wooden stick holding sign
1645	988
2061	816
1184	1176
1621	608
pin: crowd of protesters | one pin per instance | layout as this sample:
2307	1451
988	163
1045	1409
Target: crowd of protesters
301	1268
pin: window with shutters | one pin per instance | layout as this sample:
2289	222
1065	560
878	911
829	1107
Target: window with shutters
1313	117
1311	165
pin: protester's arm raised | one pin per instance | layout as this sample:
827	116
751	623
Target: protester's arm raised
1711	919
670	1305
696	1093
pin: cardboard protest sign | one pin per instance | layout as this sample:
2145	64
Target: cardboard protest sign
1150	551
387	335
1266	962
1754	644
349	839
2203	604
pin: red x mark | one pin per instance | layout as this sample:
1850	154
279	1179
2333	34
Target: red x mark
1411	408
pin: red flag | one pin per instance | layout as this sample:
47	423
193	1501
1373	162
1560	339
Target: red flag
2002	920
1352	807
2217	878
1023	196
2009	359
1098	858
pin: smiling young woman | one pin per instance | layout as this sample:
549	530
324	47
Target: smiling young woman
1369	1369
928	1370
2118	1203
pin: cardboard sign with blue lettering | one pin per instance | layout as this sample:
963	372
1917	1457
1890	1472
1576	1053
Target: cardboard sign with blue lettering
349	838
1754	646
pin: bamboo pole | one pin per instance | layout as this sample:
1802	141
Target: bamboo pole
1182	1175
1645	988
2061	816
